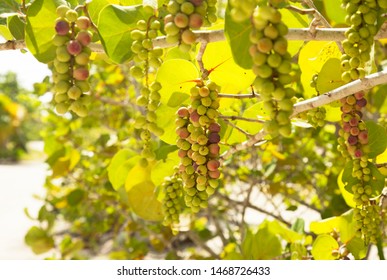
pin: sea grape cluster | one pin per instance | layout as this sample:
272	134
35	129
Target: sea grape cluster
71	65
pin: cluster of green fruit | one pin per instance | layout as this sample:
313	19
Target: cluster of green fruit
242	10
273	68
145	55
172	188
71	65
198	144
185	16
147	59
362	16
368	220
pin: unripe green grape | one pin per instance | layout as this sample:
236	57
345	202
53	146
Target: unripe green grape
71	15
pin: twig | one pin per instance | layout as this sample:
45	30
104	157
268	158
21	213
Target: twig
199	59
301	11
238	96
249	205
233	118
380	165
238	128
201	244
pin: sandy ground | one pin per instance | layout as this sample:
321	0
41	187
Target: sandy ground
18	184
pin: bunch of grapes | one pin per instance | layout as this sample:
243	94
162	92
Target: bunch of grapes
362	16
184	17
172	188
273	68
198	145
147	59
353	135
71	65
368	220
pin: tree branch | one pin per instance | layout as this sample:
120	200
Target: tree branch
233	118
324	99
341	92
297	34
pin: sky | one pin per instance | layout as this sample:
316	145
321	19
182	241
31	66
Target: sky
27	68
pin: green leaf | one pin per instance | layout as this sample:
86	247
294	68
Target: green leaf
41	16
312	57
96	6
237	35
114	27
323	247
348	196
164	168
334	11
166	117
325	226
120	165
267	246
16	26
5	33
138	174
231	77
38	240
263	245
75	197
177	78
144	203
358	248
329	77
282	230
377	139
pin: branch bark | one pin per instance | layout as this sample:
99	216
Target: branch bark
297	34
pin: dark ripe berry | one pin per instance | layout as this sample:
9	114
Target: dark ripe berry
361	102
183	112
74	47
62	27
214	127
81	74
194	116
214	138
352	140
213	164
358	153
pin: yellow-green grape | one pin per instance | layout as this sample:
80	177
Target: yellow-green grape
184	17
172	188
71	65
273	68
